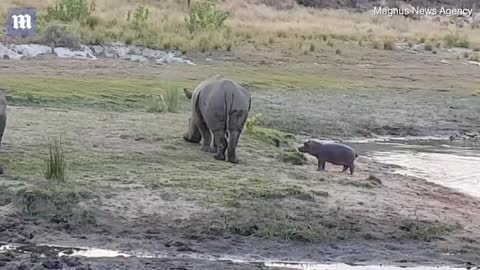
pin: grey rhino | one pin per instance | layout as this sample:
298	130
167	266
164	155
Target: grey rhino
3	117
220	108
335	153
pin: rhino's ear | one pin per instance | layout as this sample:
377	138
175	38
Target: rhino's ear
188	93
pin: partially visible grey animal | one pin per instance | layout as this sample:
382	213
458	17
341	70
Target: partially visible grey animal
220	108
3	117
335	153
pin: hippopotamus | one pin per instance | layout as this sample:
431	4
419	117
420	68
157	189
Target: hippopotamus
335	153
3	117
220	110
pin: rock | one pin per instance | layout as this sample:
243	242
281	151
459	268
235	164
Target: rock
6	53
31	50
476	20
38	267
153	54
138	58
52	264
97	49
67	53
474	63
444	61
135	50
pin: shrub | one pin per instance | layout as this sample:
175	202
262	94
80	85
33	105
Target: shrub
376	45
312	47
69	10
55	165
92	22
156	105
171	99
338	51
140	17
330	43
254	121
428	47
57	34
293	157
456	41
475	57
389	45
205	16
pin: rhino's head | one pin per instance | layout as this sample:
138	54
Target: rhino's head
188	93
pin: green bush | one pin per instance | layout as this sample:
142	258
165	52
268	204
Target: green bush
140	17
171	99
156	105
55	165
205	16
57	34
69	10
456	41
389	45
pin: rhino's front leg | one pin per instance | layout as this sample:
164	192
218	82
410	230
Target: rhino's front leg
193	134
206	135
221	143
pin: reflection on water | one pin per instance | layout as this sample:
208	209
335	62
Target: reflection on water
441	163
342	266
104	253
93	253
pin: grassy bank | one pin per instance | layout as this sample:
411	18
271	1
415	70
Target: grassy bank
167	25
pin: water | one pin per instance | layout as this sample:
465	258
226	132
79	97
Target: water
433	159
342	266
437	161
105	253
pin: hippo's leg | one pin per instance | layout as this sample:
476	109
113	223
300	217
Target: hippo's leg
233	137
352	169
221	142
321	165
345	167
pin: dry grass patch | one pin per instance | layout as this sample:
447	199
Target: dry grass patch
168	28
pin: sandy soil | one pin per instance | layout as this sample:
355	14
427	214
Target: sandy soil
139	206
138	187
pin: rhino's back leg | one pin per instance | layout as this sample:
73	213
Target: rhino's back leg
3	122
221	143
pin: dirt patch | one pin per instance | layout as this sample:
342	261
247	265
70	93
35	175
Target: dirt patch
149	190
165	195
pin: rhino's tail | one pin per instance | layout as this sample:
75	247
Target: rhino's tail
356	155
229	101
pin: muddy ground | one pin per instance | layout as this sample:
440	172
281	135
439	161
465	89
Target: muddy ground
134	185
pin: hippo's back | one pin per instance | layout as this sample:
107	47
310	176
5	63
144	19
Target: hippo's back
337	153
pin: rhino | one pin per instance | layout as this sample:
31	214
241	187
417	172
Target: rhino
220	110
3	117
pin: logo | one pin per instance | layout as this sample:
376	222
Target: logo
21	22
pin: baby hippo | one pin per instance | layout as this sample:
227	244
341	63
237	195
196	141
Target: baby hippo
335	153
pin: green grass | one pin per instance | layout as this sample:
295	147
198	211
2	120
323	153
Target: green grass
56	164
115	94
427	231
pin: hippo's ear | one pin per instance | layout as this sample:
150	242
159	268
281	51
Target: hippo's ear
188	93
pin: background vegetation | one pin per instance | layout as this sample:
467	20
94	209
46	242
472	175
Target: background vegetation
224	25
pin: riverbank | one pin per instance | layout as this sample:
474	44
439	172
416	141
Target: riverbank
135	186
